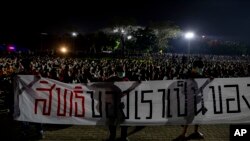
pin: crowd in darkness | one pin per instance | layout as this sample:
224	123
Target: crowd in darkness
144	67
135	68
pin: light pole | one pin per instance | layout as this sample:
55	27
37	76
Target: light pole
121	32
129	37
123	35
42	37
189	36
74	35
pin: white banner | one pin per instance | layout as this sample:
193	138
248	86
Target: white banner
199	101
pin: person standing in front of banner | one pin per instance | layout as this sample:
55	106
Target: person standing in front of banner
25	126
113	107
115	120
196	72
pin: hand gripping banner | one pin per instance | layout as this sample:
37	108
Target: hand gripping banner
190	101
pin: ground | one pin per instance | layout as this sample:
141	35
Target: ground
10	130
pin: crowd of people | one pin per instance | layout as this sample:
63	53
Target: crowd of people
145	67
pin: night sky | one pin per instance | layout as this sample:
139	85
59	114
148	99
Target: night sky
222	19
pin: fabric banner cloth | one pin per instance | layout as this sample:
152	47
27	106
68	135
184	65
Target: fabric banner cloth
190	101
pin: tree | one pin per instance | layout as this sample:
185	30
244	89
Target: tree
145	40
165	31
105	41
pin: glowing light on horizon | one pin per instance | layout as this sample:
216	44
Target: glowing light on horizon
129	37
189	35
63	49
115	30
74	34
11	48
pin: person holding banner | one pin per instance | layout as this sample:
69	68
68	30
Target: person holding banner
193	91
116	116
25	126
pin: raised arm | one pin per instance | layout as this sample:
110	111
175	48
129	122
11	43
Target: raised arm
132	87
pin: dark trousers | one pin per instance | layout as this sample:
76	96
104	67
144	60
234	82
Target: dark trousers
112	130
25	126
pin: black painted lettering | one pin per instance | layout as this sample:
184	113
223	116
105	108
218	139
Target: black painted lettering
147	101
179	104
93	104
136	105
214	100
169	108
127	114
163	102
236	86
202	109
245	99
180	83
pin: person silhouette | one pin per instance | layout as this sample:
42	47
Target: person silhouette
113	107
192	93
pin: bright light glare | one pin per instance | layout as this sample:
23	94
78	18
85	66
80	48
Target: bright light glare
123	31
12	48
115	30
63	49
189	35
74	34
129	37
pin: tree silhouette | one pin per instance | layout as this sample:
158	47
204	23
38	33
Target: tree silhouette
165	31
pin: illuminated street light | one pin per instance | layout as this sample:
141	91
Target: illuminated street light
129	37
74	34
63	49
189	36
123	31
115	30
